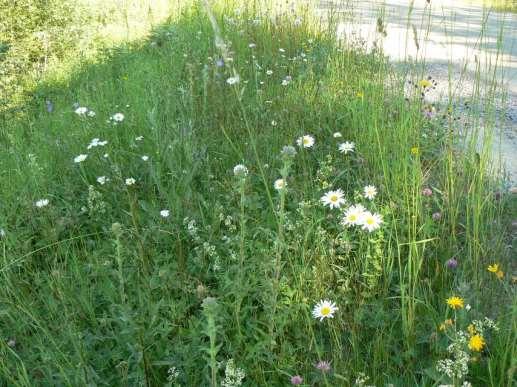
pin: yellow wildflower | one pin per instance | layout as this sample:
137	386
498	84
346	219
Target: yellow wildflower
455	302
493	268
446	324
360	94
476	343
500	274
424	83
414	150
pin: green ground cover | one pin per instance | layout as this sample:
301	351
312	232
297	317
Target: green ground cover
147	238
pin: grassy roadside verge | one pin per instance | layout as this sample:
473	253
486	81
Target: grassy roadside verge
104	286
499	5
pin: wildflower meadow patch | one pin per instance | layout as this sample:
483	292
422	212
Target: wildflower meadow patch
241	199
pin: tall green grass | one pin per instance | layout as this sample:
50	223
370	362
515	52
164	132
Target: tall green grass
99	289
499	5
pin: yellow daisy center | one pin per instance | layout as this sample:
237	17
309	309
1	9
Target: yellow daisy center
325	311
370	221
334	198
352	217
305	141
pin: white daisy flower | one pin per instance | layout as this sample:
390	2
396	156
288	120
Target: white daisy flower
139	138
333	199
164	213
337	135
370	192
324	309
346	147
353	216
269	72
81	111
117	117
306	141
102	180
233	80
145	158
280	184
105	155
371	222
240	170
41	203
80	158
130	181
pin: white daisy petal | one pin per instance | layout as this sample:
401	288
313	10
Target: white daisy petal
353	216
306	141
333	199
346	147
371	222
324	309
370	192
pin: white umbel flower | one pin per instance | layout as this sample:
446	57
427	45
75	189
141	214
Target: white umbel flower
371	222
102	180
346	147
306	141
324	309
81	111
333	199
96	142
240	170
233	80
41	203
353	216
130	181
117	117
80	158
165	213
279	184
370	192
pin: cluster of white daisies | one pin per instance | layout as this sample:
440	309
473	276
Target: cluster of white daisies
97	142
354	215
